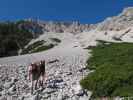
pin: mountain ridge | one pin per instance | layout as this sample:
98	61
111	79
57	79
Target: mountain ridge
71	51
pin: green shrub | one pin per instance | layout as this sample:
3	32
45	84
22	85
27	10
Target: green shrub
33	46
56	40
42	48
12	38
37	47
113	75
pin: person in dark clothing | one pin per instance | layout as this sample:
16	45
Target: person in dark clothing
36	73
42	73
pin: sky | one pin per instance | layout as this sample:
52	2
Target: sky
84	11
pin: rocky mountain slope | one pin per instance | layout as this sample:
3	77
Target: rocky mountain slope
18	34
63	76
61	27
120	22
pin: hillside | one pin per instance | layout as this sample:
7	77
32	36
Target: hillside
70	45
16	35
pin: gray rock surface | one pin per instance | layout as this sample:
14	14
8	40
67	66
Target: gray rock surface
119	22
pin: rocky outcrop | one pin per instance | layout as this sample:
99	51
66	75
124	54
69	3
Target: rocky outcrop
38	26
61	27
117	23
122	21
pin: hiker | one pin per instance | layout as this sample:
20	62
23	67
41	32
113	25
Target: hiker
36	73
42	73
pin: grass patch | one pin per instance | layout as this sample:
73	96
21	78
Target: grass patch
42	48
56	40
33	46
113	75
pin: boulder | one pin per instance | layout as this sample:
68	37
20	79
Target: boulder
13	79
8	85
12	89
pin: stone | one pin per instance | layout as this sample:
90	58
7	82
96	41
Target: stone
46	96
3	92
21	98
65	97
3	98
81	93
8	85
25	86
78	90
84	98
52	86
12	89
50	91
69	73
36	97
33	97
82	69
59	97
13	80
1	87
58	80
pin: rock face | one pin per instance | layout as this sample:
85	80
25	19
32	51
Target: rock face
37	26
70	27
122	21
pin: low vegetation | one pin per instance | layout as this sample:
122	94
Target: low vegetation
42	48
12	38
37	47
56	40
113	70
32	46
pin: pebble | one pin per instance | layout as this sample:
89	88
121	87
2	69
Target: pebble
61	84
